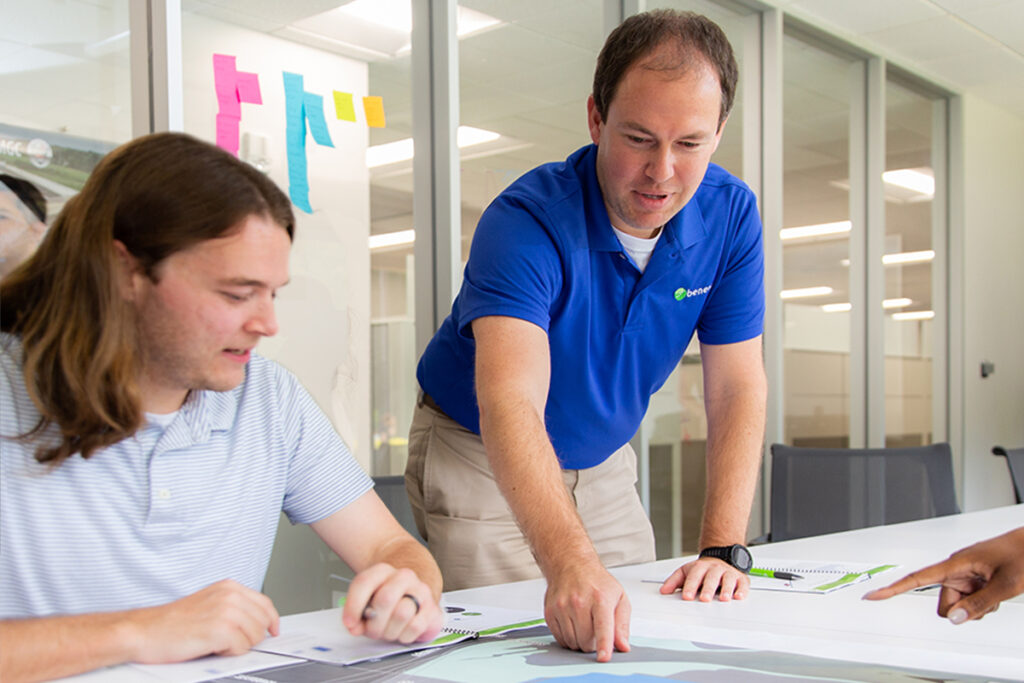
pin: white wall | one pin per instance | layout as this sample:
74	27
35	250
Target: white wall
324	313
993	261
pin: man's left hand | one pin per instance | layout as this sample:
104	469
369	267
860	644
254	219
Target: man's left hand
704	578
401	606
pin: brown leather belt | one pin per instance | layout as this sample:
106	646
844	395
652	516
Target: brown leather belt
425	400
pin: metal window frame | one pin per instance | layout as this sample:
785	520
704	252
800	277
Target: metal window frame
157	94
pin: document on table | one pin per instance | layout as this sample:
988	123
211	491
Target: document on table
321	636
818	577
213	666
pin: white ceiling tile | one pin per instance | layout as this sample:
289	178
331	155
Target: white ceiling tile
984	67
864	16
931	39
1003	20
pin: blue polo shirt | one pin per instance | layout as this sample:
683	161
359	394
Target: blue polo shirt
544	251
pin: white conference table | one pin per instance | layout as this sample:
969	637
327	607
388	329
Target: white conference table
903	632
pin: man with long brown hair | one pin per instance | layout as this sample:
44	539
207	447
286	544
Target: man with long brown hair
146	453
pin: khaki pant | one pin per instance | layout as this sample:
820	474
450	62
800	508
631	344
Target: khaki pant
469	527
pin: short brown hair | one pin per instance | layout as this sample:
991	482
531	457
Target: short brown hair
158	195
692	35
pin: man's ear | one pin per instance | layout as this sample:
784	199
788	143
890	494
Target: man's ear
718	135
594	121
127	268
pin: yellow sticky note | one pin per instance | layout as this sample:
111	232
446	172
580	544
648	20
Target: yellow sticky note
374	108
343	106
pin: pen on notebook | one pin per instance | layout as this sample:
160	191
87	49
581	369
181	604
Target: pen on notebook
368	611
785	576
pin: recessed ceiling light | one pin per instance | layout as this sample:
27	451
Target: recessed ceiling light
402	150
804	292
816	230
914	315
392	239
918	180
909	257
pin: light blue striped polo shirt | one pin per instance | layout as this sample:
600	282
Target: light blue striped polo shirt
171	510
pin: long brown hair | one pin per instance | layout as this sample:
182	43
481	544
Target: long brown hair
158	194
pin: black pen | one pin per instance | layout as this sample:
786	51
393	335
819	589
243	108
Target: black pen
368	612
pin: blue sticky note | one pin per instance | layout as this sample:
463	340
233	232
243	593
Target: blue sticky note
314	108
295	140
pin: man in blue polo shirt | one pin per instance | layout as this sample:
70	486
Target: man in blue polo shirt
585	282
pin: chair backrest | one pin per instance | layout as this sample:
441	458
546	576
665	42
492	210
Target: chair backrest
824	490
391	490
1015	461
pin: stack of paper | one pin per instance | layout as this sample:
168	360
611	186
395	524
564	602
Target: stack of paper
322	637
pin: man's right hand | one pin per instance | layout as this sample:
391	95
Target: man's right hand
225	618
587	609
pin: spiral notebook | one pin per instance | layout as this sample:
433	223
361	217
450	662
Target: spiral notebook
818	577
321	636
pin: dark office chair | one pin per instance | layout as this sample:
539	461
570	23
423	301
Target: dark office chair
1015	461
824	490
391	490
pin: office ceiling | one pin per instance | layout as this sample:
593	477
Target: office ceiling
971	46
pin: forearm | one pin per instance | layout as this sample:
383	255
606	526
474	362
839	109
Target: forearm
406	553
53	647
735	442
530	478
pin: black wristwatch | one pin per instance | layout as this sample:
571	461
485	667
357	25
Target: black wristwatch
737	555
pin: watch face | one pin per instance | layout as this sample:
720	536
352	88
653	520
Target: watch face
741	558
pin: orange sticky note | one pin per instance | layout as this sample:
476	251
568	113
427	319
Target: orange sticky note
343	106
374	108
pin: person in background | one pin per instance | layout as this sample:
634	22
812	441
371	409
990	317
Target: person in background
974	580
22	221
585	283
146	451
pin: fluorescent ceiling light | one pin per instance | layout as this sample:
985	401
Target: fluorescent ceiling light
847	306
392	239
902	185
378	28
805	292
389	153
393	14
467	136
918	180
397	15
914	315
909	257
402	150
817	230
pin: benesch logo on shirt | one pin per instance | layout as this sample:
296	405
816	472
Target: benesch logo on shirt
684	293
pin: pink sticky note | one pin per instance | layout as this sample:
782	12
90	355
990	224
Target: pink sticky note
249	87
227	133
225	84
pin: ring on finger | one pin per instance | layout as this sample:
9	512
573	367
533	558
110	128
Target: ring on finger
414	601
